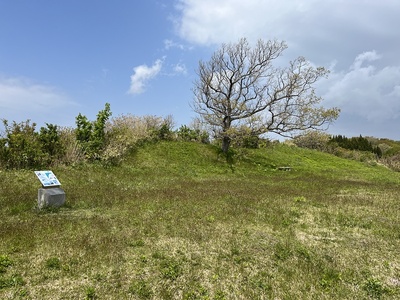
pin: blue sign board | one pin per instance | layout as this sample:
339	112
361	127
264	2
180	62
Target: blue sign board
47	178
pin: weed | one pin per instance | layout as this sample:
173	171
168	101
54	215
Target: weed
282	251
5	262
53	263
219	295
11	281
195	291
262	281
23	293
330	278
300	199
375	288
141	289
90	293
170	269
137	243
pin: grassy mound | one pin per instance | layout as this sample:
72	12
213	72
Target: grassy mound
176	221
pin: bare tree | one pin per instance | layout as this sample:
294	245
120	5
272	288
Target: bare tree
239	87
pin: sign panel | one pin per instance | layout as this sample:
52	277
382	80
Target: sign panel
47	178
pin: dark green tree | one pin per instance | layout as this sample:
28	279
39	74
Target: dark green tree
91	135
50	142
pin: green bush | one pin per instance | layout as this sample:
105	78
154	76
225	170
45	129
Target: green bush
21	146
91	135
184	133
49	138
244	137
162	130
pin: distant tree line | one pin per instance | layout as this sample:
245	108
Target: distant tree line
355	143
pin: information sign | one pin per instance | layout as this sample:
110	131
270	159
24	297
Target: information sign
47	178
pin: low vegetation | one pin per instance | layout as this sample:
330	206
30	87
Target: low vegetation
157	213
175	220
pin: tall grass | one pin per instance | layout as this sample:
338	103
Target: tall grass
176	221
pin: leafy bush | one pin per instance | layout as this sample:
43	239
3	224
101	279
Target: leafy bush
162	129
244	137
21	148
49	138
187	134
91	135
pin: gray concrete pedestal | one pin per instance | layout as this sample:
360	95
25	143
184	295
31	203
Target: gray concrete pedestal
51	197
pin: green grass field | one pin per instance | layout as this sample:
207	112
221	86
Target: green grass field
176	221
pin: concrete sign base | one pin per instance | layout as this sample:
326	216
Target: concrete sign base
54	197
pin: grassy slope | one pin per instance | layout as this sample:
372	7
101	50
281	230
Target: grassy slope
175	221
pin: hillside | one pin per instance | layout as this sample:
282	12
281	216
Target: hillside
176	221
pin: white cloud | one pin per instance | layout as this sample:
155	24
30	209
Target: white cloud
213	22
180	68
365	90
168	44
368	56
22	99
20	94
142	74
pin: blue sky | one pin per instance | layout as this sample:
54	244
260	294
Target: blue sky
61	58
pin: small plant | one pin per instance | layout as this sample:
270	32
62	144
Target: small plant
300	199
195	292
23	293
53	263
137	243
375	288
12	281
282	251
219	295
141	289
5	262
90	293
330	278
170	269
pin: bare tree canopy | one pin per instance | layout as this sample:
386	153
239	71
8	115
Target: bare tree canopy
239	87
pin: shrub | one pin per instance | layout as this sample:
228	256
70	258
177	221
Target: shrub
162	130
393	162
125	132
21	147
313	140
243	137
187	134
91	135
72	151
50	142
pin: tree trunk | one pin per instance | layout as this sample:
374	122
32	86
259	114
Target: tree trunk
226	142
